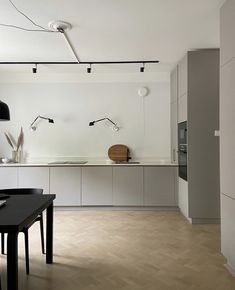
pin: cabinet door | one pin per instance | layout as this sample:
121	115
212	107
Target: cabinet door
159	186
227	38
35	177
97	186
182	109
174	85
227	137
174	133
8	177
174	117
183	77
65	182
183	197
228	229
128	186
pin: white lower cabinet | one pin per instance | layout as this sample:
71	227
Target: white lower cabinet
159	186
97	186
8	177
35	177
128	186
65	182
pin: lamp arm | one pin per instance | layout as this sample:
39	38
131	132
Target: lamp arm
39	117
43	118
111	121
35	120
106	119
99	120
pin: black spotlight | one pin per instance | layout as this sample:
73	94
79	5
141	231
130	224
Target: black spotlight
92	123
89	69
142	68
34	69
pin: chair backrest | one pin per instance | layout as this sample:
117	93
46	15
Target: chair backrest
15	191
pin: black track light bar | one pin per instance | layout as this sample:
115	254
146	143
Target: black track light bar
81	62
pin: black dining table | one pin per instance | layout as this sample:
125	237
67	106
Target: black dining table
20	211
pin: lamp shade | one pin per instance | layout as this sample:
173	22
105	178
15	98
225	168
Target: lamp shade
4	112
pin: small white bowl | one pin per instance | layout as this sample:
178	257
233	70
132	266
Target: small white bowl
5	160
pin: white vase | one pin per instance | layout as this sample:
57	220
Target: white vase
16	156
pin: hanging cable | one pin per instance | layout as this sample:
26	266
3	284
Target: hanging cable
43	29
25	29
27	17
69	44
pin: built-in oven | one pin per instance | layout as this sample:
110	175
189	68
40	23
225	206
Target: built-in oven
182	149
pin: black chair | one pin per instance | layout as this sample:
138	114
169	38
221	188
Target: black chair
18	191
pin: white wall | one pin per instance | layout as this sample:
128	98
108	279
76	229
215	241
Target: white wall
72	103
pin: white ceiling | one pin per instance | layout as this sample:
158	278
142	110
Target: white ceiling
111	30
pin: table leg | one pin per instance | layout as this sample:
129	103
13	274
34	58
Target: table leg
49	235
12	261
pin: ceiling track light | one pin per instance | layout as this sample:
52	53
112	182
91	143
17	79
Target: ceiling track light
89	64
89	69
142	67
35	68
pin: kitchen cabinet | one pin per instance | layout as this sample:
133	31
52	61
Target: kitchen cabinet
182	89
174	115
159	186
8	177
182	109
65	182
183	197
147	185
227	39
35	177
183	77
227	139
128	186
97	186
198	104
228	229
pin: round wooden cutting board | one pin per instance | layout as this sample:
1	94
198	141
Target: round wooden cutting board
118	152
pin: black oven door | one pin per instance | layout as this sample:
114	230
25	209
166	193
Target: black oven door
182	133
183	162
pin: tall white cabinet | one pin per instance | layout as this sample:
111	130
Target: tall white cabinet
198	104
227	137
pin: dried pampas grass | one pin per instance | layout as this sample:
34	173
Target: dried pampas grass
15	146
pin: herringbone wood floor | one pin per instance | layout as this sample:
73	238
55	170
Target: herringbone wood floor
126	250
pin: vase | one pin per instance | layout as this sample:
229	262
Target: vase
16	156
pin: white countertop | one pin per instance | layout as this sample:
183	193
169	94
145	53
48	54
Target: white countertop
89	163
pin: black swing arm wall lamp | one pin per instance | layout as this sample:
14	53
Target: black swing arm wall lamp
115	126
33	125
